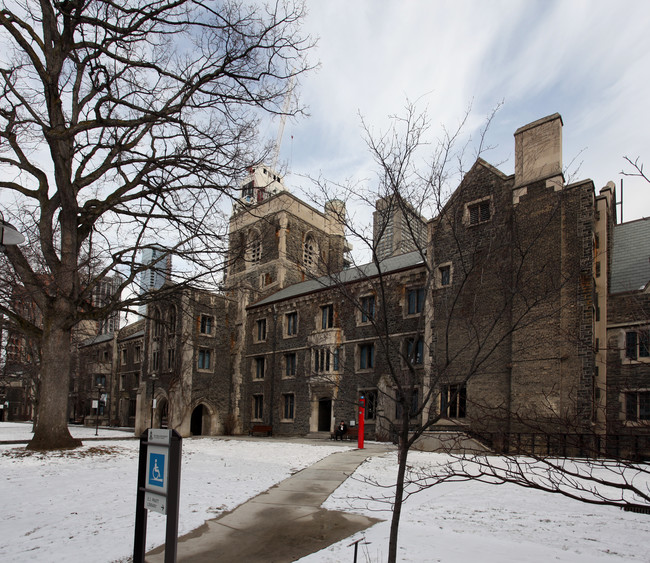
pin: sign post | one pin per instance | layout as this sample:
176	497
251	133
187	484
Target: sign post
362	414
159	477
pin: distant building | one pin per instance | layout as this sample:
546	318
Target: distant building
157	274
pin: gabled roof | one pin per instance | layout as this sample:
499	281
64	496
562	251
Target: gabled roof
390	265
631	256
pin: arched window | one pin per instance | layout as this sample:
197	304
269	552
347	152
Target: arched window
171	320
254	248
309	253
157	323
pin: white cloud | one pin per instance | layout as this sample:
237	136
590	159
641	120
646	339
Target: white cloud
587	60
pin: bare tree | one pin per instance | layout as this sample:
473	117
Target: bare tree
503	341
123	126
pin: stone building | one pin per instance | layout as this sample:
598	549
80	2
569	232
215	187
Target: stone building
502	318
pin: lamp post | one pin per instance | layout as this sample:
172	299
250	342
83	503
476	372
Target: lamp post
153	397
99	400
8	234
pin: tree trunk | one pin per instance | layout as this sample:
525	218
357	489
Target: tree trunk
402	452
51	431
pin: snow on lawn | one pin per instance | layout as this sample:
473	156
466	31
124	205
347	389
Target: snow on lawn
472	521
79	505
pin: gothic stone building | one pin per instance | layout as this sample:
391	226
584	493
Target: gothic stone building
502	318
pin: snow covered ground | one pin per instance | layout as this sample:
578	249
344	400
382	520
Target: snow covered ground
79	506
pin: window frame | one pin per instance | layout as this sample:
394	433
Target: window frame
368	309
415	300
204	356
366	356
260	330
327	316
459	408
638	401
259	372
478	211
206	325
290	364
288	406
291	324
258	407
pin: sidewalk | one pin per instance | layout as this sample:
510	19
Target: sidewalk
282	524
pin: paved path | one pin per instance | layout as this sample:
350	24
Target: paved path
282	524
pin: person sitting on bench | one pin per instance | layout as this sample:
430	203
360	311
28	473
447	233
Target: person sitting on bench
340	431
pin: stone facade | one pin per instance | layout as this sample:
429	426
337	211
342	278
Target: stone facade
501	324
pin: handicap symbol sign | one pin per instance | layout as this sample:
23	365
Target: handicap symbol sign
156	470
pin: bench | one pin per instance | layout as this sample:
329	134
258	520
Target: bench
351	433
261	430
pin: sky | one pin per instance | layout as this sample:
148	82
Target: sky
588	60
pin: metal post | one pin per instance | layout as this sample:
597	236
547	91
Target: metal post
99	400
153	398
362	412
140	542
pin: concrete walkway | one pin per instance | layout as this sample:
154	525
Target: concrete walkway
282	524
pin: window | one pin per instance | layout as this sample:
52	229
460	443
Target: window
367	308
290	364
327	316
292	323
322	360
637	406
255	250
157	324
171	356
137	355
597	269
172	320
371	403
366	356
309	253
415	300
124	356
288	402
637	344
413	406
258	407
479	212
453	401
155	360
205	358
206	324
259	368
261	330
445	275
415	351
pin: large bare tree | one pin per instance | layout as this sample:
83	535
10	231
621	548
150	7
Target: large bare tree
123	126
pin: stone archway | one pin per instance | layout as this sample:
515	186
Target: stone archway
161	414
197	426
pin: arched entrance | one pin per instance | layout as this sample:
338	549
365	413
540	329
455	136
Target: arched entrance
325	415
196	421
161	414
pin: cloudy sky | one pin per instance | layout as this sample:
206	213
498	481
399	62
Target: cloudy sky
589	60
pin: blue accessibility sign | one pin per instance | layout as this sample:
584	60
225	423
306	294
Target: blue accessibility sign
156	470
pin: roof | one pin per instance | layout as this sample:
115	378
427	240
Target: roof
631	256
392	264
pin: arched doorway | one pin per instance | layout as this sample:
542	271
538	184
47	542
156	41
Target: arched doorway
161	414
196	421
325	415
